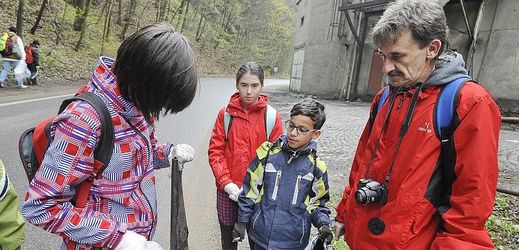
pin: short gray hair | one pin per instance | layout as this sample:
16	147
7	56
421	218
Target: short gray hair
425	19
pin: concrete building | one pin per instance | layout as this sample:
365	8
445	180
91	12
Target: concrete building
334	57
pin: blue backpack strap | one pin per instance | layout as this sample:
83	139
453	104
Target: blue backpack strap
383	98
270	120
446	107
227	119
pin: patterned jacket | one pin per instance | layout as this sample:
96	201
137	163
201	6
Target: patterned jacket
123	197
283	194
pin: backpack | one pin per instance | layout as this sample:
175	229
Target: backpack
270	120
443	110
6	46
33	143
28	55
3	41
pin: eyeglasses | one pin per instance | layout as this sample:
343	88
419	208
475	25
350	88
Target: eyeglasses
300	130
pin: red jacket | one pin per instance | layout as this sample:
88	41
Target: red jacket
422	211
229	160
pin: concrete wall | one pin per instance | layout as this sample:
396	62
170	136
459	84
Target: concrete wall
497	59
321	65
323	55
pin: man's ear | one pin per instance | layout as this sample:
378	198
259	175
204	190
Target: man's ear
433	48
316	134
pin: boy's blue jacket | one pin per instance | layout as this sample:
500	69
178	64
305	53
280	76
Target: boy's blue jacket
281	197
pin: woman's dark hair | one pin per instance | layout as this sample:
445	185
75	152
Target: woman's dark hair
252	68
13	29
311	108
156	69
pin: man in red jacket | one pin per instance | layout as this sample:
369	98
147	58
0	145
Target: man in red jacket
404	191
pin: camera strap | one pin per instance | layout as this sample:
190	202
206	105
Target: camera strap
376	225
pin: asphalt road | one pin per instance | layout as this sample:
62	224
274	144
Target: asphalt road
192	126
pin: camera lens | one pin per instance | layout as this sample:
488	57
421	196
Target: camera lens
361	196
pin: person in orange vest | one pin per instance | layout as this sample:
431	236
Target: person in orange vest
33	61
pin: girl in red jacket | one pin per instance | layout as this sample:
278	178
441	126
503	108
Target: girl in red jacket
232	149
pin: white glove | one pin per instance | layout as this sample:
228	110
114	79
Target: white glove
152	245
132	241
233	190
183	153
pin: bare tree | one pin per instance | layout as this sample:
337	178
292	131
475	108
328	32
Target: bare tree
106	26
40	14
19	17
129	19
84	25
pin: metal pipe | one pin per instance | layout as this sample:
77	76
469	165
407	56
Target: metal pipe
469	29
506	191
512	120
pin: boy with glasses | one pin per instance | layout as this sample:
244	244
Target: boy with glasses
286	186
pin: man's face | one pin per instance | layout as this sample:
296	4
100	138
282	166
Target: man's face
405	63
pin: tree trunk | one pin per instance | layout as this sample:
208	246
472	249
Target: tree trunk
83	26
40	14
106	26
19	18
129	19
185	21
62	24
142	14
199	28
159	7
178	11
119	13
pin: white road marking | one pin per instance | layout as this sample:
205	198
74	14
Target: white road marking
35	100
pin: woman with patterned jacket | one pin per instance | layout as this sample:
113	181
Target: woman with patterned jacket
231	152
154	71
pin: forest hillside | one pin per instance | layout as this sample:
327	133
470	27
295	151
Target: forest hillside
223	33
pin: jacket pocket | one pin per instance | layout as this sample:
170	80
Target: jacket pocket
277	183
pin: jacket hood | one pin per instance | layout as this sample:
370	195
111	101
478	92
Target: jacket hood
235	105
311	147
104	83
449	66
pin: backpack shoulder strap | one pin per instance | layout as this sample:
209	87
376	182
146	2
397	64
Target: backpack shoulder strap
446	107
227	120
270	119
103	151
383	98
380	104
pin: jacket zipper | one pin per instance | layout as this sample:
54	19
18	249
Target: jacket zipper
276	185
145	170
296	190
255	219
303	235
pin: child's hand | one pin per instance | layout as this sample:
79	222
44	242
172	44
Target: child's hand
238	233
325	234
338	229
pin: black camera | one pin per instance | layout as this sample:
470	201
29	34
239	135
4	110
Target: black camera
371	192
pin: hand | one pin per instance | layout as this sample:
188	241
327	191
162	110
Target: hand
338	229
152	245
132	241
233	190
325	234
183	153
238	233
